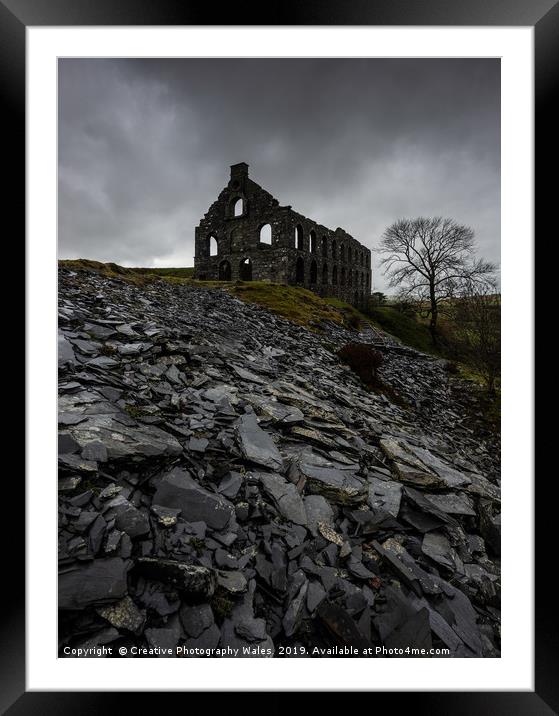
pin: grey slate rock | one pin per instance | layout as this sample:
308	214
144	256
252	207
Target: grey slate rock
207	641
165	639
341	627
232	581
66	353
285	496
193	580
318	510
230	485
315	596
256	445
123	441
196	619
178	490
243	614
436	546
96	582
338	486
453	504
128	518
124	615
95	451
385	495
295	610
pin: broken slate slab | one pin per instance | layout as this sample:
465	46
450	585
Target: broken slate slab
385	495
316	594
127	517
164	639
124	441
285	497
234	582
296	609
318	510
242	616
65	351
453	504
257	445
196	581
196	618
338	486
96	582
436	546
341	627
124	615
177	489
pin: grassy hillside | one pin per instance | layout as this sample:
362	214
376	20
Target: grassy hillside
296	304
409	330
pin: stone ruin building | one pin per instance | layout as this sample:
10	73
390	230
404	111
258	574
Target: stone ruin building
246	235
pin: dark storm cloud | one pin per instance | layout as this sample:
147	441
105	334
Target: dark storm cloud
145	147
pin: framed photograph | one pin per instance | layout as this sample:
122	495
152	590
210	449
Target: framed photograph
264	269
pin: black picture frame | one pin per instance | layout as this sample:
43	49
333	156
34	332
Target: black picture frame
543	15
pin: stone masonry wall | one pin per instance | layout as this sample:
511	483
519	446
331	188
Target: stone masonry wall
230	245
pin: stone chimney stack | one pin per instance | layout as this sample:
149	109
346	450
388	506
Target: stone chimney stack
239	171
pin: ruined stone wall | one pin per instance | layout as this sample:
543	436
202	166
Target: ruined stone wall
247	235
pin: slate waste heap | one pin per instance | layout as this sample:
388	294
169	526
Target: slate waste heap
227	483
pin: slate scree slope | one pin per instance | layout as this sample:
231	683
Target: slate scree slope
246	235
228	487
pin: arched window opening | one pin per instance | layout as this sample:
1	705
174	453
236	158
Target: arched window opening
299	237
224	271
213	245
349	277
324	241
342	253
313	242
356	298
349	254
238	207
342	277
334	250
245	270
362	280
325	274
335	276
314	272
266	234
300	271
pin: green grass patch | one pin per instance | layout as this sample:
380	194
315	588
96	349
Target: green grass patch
296	304
352	316
111	270
410	331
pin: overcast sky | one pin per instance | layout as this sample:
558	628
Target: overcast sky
145	147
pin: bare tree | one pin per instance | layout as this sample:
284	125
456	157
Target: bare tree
477	328
429	259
